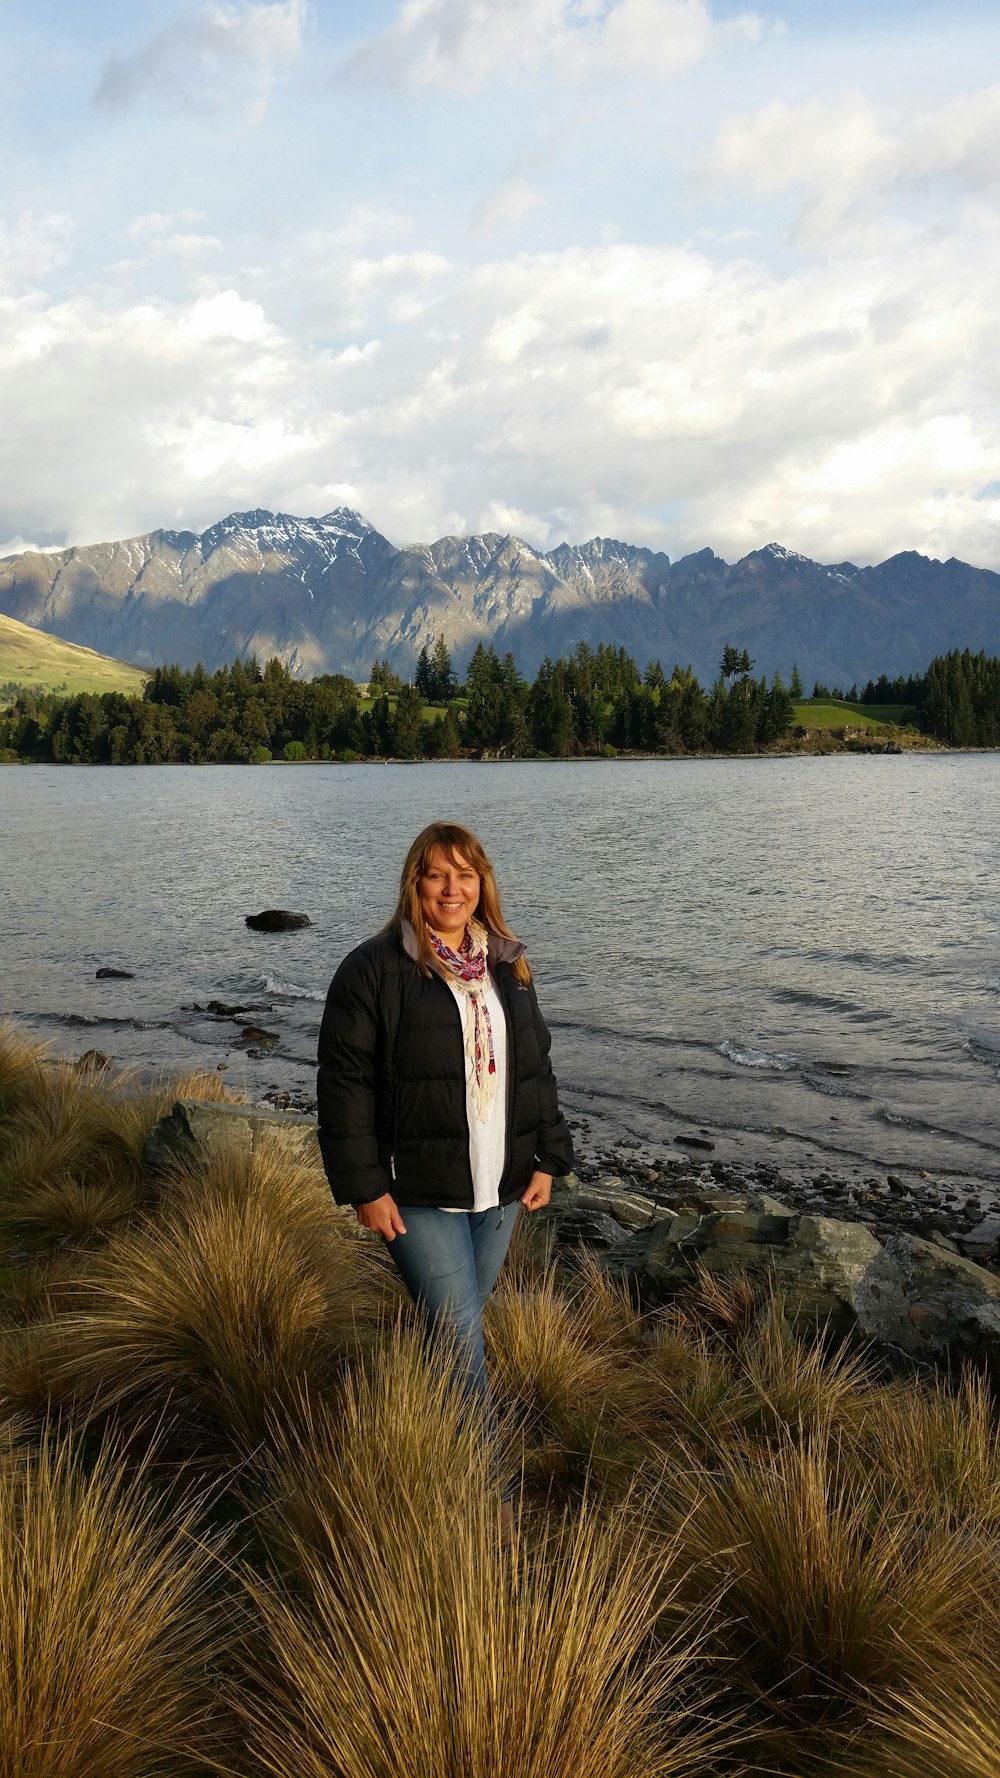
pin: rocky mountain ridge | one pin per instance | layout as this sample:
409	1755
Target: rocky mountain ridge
332	594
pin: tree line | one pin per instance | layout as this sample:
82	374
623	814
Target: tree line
591	701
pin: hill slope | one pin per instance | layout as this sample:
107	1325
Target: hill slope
332	595
32	657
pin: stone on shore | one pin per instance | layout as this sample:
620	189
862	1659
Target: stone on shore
277	920
92	1062
202	1129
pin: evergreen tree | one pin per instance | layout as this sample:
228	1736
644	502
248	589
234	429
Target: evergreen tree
551	710
795	685
423	678
383	680
729	665
443	681
405	723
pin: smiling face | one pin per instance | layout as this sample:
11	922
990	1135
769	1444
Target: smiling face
448	893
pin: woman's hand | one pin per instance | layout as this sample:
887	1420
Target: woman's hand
381	1216
539	1191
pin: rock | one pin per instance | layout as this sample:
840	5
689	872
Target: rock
895	1184
583	1227
277	920
982	1240
92	1062
631	1210
223	1010
934	1306
815	1261
257	1034
940	1239
106	974
196	1126
694	1142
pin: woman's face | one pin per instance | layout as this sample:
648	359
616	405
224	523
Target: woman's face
448	893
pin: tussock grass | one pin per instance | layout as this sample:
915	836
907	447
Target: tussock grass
412	1644
952	1731
105	1626
71	1143
941	1446
213	1318
21	1064
831	1596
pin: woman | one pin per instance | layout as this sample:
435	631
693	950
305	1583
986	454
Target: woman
438	1115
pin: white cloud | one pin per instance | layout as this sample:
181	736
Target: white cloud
845	404
459	44
847	157
208	60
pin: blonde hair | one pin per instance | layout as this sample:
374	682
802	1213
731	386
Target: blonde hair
456	843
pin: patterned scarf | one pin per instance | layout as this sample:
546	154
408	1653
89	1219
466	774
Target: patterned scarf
466	968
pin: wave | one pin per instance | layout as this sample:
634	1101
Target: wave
96	1021
805	997
981	1052
273	984
748	1057
830	1088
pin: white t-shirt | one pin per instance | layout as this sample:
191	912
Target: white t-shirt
487	1141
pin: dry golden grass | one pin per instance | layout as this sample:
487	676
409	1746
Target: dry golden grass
21	1064
831	1594
544	1356
798	1387
950	1731
212	1318
71	1143
820	1543
941	1446
407	1642
105	1626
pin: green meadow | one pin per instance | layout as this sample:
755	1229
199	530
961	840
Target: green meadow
246	1528
35	659
838	713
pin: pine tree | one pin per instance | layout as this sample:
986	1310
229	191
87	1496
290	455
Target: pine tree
443	681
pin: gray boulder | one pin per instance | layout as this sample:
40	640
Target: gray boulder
197	1127
936	1307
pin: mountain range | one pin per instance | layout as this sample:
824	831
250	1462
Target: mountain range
332	595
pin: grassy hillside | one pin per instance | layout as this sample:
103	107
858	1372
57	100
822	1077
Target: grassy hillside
31	657
837	713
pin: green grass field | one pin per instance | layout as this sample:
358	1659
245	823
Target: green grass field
835	713
31	657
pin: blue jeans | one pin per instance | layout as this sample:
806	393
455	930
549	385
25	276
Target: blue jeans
449	1264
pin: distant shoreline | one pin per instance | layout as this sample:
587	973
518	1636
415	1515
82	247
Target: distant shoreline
528	759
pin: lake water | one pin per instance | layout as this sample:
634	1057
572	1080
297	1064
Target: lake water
801	956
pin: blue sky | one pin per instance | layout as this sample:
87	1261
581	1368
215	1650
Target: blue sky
682	273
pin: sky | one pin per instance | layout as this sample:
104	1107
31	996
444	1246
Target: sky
684	273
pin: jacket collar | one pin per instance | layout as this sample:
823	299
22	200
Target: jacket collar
500	950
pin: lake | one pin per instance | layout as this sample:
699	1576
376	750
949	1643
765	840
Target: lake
800	955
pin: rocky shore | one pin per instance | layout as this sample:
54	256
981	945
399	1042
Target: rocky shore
654	1228
961	1218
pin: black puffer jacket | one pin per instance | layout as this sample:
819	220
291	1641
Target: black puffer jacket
391	1089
